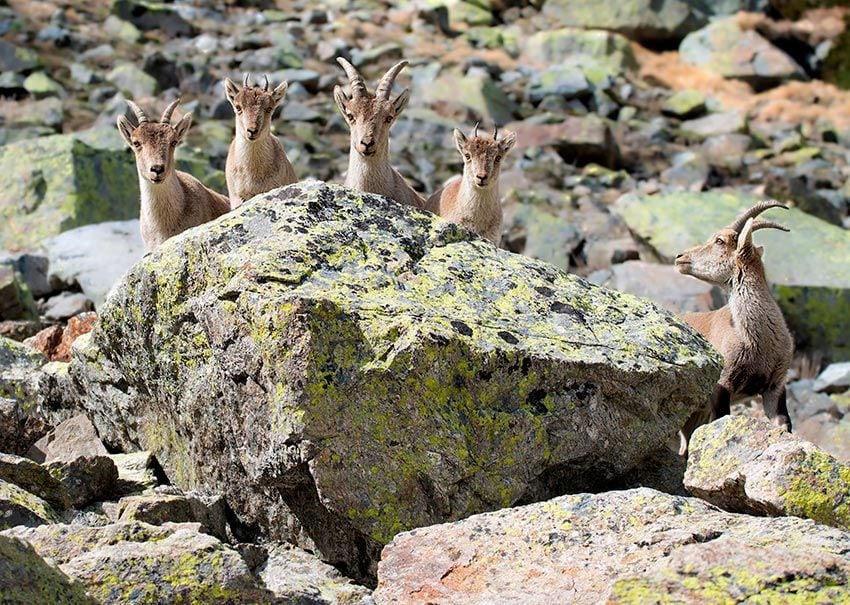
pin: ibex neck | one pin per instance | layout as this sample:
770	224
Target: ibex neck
369	173
750	301
164	200
472	197
259	147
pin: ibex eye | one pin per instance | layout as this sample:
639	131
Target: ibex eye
388	119
719	242
466	156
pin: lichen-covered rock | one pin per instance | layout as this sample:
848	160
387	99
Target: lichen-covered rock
748	465
70	440
806	267
685	104
636	546
34	478
369	368
641	20
156	509
136	470
19	429
63	184
600	49
18	364
27	578
141	563
724	48
295	576
578	139
86	479
152	15
19	507
476	92
16	301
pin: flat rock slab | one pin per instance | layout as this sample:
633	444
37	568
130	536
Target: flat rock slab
806	267
20	507
748	465
335	362
636	546
27	578
70	440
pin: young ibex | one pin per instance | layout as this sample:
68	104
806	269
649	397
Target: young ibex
749	331
472	200
256	161
172	201
370	116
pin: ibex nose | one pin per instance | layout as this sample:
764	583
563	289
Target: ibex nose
482	178
158	169
252	132
679	255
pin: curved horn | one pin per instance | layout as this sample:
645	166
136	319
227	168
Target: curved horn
141	117
245	81
475	130
166	115
495	131
760	224
266	85
741	219
358	86
385	86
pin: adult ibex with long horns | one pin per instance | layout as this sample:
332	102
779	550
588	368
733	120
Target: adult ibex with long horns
750	331
370	117
172	201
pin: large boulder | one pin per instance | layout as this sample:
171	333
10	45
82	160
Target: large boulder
20	507
748	465
636	546
343	368
27	578
63	184
806	267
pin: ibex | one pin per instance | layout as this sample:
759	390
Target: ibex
256	161
370	116
749	331
172	201
472	200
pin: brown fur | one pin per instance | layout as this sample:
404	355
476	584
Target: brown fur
256	160
750	332
171	201
472	200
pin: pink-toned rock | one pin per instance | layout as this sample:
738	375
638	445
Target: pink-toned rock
70	440
77	326
46	341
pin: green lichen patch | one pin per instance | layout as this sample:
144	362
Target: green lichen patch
820	489
19	507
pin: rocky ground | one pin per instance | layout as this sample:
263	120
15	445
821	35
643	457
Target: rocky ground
252	418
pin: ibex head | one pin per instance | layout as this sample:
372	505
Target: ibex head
154	142
716	260
482	156
370	116
254	106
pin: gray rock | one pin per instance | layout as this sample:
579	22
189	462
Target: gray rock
726	150
689	172
157	508
18	364
19	507
715	124
35	479
17	58
579	140
65	305
16	301
545	338
72	439
834	379
86	478
477	93
636	546
685	104
663	285
27	578
95	256
566	81
153	15
19	429
295	576
136	470
594	49
133	81
747	465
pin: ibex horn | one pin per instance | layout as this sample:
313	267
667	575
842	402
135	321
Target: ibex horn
266	85
358	86
385	86
166	115
741	220
245	81
760	224
141	118
475	130
495	131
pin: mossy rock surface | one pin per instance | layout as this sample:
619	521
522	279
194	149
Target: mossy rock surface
637	546
18	364
19	507
370	368
140	563
64	183
806	267
747	465
27	578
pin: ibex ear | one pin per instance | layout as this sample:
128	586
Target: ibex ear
460	141
183	126
760	250
230	89
508	142
279	92
342	100
125	127
400	102
745	238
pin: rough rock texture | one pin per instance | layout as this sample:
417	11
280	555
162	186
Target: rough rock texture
94	256
27	578
17	364
19	429
577	139
295	576
70	440
16	301
19	507
372	369
636	546
34	478
748	465
141	563
806	267
64	183
157	509
724	48
87	478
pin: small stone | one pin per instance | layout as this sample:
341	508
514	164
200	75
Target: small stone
132	81
685	104
120	30
565	81
17	59
689	172
834	379
86	478
66	304
40	85
70	440
726	150
714	124
16	301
